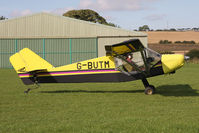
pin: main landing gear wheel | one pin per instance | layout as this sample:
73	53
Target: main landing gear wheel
149	90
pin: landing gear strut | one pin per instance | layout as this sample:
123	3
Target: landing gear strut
149	89
36	84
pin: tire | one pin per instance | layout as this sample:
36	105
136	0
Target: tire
152	87
149	90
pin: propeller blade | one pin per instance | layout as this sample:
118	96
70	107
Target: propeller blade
186	58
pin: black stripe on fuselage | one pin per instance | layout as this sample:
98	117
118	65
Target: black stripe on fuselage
156	71
83	78
86	78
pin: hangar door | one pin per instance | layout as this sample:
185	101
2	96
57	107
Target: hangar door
59	51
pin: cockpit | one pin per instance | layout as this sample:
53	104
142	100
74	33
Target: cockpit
143	60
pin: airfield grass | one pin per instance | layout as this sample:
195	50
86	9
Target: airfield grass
102	107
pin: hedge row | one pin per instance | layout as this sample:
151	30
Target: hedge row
177	42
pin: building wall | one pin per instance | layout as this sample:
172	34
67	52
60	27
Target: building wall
58	52
44	25
50	36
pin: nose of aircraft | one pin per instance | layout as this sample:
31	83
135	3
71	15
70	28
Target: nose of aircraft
171	62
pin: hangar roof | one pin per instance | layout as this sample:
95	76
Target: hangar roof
45	25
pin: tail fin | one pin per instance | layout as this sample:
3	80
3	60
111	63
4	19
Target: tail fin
27	61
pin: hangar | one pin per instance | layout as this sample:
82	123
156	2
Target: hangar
59	40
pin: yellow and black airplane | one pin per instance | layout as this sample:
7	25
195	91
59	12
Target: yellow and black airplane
125	61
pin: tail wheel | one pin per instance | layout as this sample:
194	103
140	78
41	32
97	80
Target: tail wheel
149	90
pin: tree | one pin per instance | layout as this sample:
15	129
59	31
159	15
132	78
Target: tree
193	53
144	28
172	29
195	29
112	24
165	42
2	18
88	15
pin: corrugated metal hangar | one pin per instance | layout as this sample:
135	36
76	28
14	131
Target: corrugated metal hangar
59	40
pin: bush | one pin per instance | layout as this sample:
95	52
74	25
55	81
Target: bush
172	29
165	42
193	42
193	54
194	60
189	42
185	42
177	42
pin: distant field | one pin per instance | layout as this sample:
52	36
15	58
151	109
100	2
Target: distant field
155	37
183	48
102	108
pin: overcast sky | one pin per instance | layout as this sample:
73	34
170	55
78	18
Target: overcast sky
129	14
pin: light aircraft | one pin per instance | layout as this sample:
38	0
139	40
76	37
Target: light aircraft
125	61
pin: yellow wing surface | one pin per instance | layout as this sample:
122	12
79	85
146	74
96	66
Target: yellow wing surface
129	46
27	61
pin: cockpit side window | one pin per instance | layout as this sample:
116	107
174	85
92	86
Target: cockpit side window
142	61
134	57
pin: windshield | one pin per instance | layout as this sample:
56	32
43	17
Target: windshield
152	57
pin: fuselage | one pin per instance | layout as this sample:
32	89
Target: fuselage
102	69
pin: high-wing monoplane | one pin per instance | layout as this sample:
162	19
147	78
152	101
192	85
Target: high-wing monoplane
125	61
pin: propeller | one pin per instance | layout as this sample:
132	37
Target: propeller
186	58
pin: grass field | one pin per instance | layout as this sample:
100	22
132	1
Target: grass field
102	108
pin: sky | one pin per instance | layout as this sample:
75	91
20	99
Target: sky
128	14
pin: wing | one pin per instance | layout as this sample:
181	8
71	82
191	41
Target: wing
27	61
129	46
